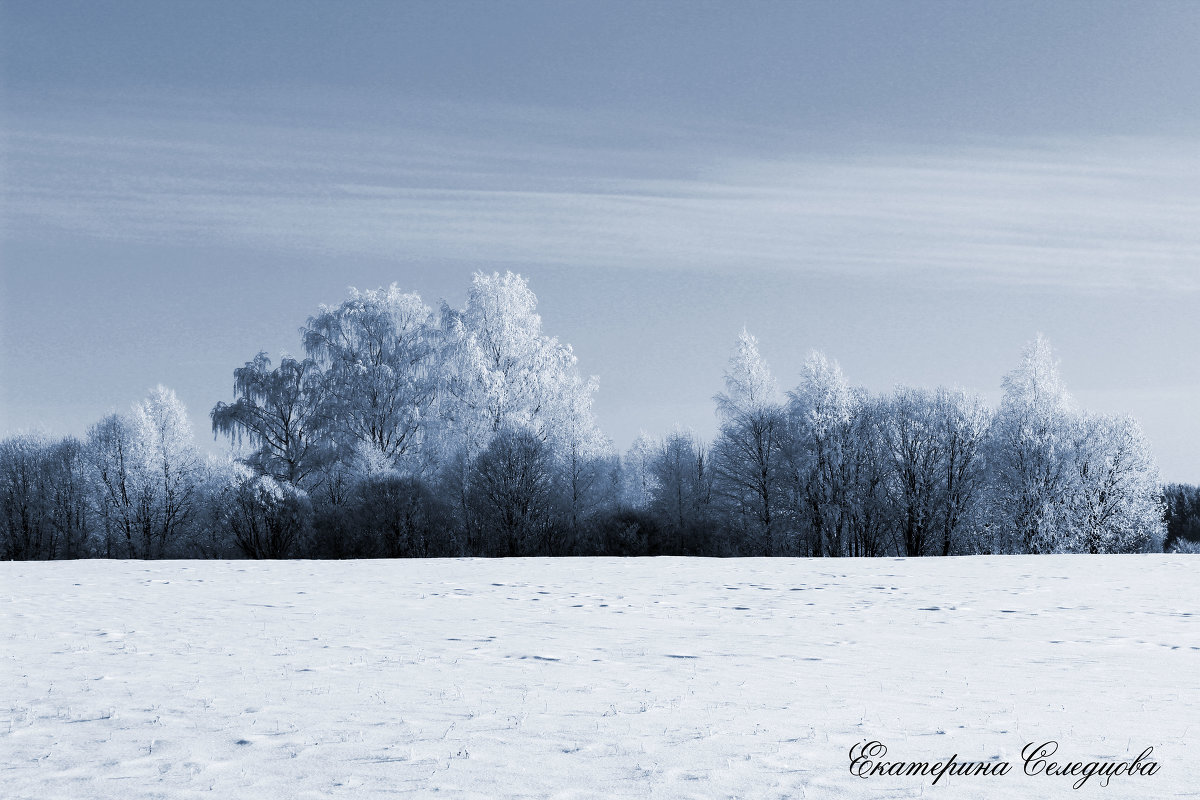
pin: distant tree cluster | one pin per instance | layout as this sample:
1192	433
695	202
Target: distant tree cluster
1183	518
409	432
129	490
832	470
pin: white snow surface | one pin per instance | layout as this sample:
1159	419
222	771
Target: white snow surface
592	678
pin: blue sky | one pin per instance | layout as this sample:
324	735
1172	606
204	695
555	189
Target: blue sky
915	188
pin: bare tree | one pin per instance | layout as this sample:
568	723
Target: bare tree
24	519
914	445
683	490
117	482
68	482
268	518
964	421
512	494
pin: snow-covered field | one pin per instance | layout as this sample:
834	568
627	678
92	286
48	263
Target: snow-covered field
592	678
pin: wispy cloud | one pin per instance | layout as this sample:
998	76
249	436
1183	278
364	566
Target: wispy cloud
1100	212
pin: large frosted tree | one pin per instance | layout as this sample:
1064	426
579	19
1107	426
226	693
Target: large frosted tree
501	370
377	351
1031	452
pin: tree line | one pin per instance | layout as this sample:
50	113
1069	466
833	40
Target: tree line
405	431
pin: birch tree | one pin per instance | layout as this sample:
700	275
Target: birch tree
822	411
1117	503
1032	452
748	452
378	356
637	474
171	470
279	411
503	371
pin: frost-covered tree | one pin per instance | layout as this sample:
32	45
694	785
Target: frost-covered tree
280	412
870	522
585	468
748	453
169	470
749	385
45	498
1182	516
1031	452
637	474
147	476
585	455
821	462
502	371
377	352
1117	501
69	498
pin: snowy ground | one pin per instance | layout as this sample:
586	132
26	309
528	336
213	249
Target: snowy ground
591	678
